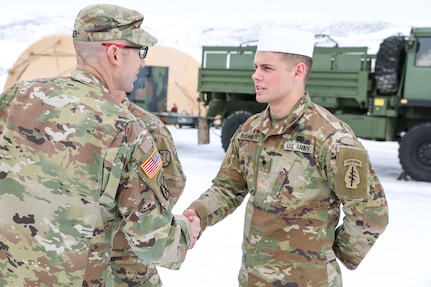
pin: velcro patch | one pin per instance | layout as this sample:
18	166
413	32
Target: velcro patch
352	172
152	164
297	146
249	136
166	157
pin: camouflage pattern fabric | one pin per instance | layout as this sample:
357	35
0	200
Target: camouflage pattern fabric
173	170
105	22
76	167
298	175
127	268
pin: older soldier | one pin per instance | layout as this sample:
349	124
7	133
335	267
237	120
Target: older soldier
127	268
298	163
77	167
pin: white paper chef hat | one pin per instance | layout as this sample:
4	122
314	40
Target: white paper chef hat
286	40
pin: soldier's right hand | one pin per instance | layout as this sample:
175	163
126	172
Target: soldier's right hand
194	223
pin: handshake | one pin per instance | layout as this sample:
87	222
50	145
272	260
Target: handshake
194	223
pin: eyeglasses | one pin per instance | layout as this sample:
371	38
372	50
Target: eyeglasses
143	51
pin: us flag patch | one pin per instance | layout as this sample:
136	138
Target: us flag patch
152	165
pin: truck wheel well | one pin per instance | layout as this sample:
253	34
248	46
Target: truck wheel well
415	152
231	124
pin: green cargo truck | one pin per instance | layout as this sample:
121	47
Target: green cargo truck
383	97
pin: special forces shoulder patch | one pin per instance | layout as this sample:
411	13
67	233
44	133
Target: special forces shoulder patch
152	164
352	172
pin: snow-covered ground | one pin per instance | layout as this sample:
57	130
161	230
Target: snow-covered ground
400	257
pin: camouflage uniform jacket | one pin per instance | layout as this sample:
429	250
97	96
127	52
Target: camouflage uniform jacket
127	268
75	167
297	176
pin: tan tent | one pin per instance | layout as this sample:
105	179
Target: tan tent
50	56
55	56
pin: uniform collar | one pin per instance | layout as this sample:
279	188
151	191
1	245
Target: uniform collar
263	121
89	79
126	102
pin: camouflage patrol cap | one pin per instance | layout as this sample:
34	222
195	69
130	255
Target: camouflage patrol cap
104	22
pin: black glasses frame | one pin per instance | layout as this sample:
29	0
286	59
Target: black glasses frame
143	51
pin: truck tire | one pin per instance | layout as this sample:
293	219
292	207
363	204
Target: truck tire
389	64
231	124
415	152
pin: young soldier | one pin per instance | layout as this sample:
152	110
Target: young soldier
298	164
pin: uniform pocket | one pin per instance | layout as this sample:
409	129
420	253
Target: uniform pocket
158	186
272	178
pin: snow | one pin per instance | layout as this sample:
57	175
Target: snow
401	255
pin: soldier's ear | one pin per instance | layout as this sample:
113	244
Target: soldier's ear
300	69
112	54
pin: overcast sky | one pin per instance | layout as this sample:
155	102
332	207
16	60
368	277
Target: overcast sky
411	12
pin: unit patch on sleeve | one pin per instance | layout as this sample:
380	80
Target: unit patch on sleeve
152	165
352	171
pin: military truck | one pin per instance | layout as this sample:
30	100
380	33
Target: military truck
150	92
384	96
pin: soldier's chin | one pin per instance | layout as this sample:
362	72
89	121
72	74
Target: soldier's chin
261	100
130	89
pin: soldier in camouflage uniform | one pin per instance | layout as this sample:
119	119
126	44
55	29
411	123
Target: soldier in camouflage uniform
77	166
299	165
127	268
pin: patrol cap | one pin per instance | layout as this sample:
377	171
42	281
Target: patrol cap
286	40
104	22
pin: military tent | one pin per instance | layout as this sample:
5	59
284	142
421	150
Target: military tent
55	56
50	56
